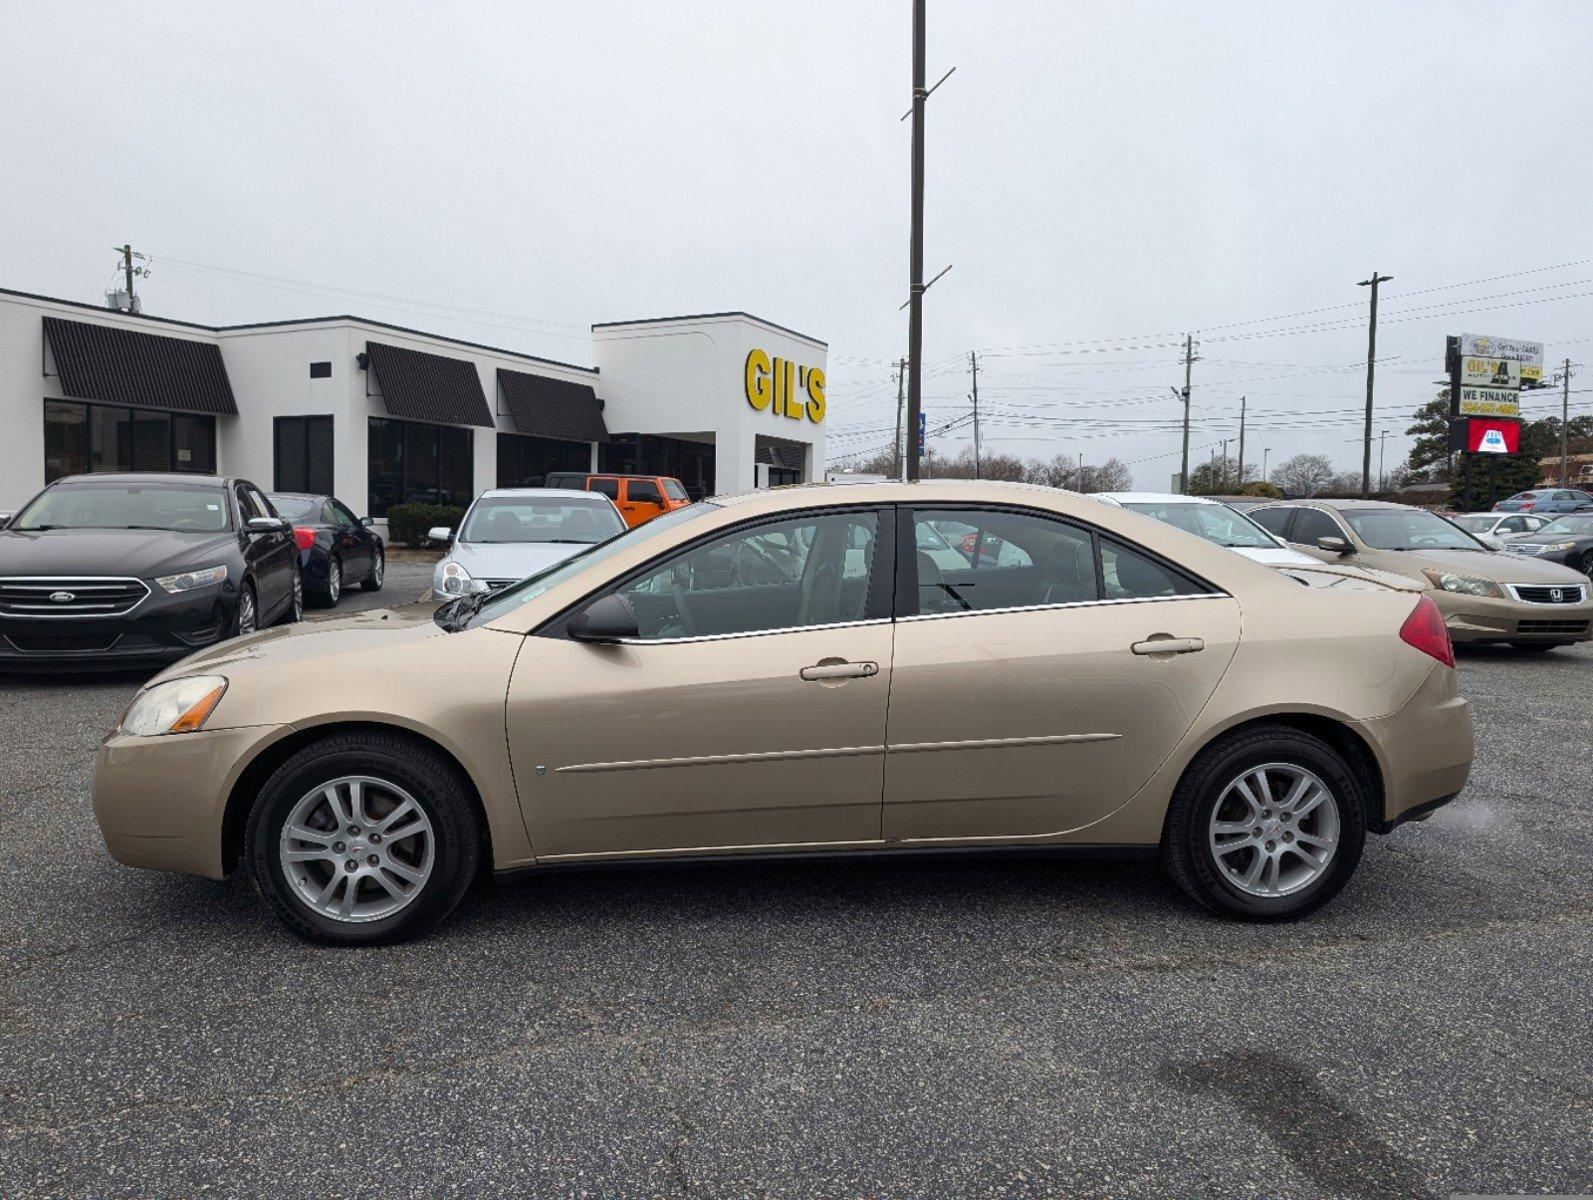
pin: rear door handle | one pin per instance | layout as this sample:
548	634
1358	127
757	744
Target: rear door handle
1162	643
844	670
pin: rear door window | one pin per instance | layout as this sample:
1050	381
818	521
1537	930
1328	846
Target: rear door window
1313	523
604	487
975	560
1273	520
1130	575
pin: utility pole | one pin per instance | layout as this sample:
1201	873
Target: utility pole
896	446
915	254
1382	440
1565	425
1371	359
1189	360
127	268
1222	475
1239	483
973	365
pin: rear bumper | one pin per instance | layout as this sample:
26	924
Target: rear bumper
1474	619
160	629
1426	749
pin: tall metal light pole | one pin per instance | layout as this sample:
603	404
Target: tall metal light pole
1265	450
1371	360
915	254
1189	361
1382	440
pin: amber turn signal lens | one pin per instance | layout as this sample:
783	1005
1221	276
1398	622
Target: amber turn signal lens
195	716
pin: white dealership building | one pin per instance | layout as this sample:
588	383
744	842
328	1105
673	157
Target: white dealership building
380	415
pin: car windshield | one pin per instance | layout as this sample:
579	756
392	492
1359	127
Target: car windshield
1408	529
296	508
1578	526
181	508
1214	522
506	520
488	606
674	490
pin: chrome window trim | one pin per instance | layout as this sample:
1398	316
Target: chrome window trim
746	633
1014	608
1579	588
68	581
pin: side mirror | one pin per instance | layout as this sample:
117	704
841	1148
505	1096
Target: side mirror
367	521
438	533
266	525
1334	545
5	519
610	619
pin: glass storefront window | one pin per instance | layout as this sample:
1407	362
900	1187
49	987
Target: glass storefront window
80	438
410	462
524	461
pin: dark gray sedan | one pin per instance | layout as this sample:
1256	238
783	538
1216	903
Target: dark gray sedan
1567	539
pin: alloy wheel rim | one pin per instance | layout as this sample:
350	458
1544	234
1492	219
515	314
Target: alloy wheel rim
246	612
298	596
1274	829
381	565
357	849
334	580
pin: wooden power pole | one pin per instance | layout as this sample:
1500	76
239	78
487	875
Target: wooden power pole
1371	360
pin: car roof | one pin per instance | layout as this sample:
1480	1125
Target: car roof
558	493
145	477
1341	504
1153	498
300	495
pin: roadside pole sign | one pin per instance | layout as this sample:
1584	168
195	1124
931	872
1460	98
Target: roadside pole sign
1476	371
1528	354
1485	436
1488	402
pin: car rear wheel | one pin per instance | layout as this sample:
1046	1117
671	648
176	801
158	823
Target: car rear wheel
373	581
363	839
1266	825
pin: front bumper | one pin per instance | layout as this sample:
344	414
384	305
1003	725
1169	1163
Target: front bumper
160	801
161	628
1473	619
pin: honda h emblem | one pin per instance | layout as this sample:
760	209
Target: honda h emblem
1557	594
63	597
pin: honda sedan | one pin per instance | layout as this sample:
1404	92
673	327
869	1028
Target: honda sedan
1112	681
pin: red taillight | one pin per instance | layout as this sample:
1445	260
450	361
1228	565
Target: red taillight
1425	629
304	536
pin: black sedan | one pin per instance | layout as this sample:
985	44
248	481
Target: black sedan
103	571
336	548
1567	539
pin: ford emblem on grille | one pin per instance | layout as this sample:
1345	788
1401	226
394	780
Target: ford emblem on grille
68	597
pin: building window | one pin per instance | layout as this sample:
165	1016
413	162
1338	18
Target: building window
413	463
80	438
302	454
525	461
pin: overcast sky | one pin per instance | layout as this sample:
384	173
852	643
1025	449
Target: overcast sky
1102	176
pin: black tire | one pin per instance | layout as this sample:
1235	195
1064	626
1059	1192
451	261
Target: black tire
334	583
373	581
294	612
428	777
1185	850
248	602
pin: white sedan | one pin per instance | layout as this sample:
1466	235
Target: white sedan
1212	520
509	533
1493	528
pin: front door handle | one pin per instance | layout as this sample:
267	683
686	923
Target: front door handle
1165	643
839	670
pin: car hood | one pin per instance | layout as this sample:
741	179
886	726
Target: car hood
1545	539
1276	556
1501	568
375	629
514	560
140	553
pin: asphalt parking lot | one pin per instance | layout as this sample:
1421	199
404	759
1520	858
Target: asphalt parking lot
1022	1027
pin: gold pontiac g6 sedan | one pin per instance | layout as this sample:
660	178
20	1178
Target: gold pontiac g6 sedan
806	671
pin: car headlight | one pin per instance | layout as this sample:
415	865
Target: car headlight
189	580
1468	585
1557	548
176	706
456	581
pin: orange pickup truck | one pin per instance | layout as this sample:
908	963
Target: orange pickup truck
639	498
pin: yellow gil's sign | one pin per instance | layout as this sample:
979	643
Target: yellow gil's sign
1489	372
782	387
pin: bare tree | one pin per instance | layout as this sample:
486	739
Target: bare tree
1305	474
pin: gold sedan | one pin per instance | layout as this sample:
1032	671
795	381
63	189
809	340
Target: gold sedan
904	668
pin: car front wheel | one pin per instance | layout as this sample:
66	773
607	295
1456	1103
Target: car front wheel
1266	825
373	581
363	839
